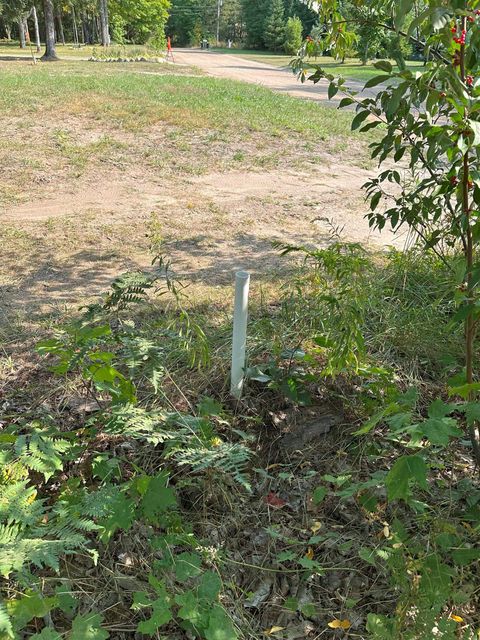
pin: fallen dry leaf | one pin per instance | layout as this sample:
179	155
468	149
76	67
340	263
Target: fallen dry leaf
275	501
316	526
339	624
309	553
456	618
272	630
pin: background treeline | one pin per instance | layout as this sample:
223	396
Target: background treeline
279	25
255	23
87	21
276	25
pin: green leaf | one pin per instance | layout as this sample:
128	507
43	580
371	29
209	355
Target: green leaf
46	634
464	557
220	626
435	584
376	419
291	604
161	611
464	390
368	555
158	498
319	494
122	517
66	602
161	615
29	606
88	627
210	586
381	627
187	565
190	608
383	65
472	412
345	102
332	90
440	430
359	118
375	200
373	82
405	470
475	127
209	407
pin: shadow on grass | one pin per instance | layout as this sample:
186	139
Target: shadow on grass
47	288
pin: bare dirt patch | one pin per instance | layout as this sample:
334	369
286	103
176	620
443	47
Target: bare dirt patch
84	198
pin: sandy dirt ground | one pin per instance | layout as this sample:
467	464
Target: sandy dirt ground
221	65
68	235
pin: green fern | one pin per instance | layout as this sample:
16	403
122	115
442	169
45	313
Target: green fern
188	440
6	629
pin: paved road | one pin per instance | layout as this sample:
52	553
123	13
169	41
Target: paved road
224	65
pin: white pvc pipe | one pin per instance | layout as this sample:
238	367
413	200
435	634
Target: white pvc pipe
240	318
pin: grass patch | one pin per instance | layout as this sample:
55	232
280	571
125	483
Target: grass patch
136	101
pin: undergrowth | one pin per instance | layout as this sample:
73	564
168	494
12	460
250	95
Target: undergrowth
139	500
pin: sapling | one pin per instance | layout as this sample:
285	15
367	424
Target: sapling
429	119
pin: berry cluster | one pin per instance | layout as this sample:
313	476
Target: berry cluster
463	36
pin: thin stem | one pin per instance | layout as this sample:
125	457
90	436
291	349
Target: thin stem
470	325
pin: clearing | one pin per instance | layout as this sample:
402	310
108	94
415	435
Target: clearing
206	170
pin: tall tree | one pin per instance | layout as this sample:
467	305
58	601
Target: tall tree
104	26
144	20
293	36
22	31
15	12
36	28
275	26
190	19
255	13
61	33
48	12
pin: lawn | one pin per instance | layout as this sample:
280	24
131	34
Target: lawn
351	68
212	169
69	50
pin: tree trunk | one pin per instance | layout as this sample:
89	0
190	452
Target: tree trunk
60	26
104	31
86	30
21	33
470	322
50	53
75	28
37	30
8	31
94	37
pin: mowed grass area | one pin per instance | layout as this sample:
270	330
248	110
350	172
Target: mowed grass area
55	106
351	68
138	99
99	167
69	50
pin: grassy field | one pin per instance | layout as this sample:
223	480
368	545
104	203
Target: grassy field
212	170
69	50
351	68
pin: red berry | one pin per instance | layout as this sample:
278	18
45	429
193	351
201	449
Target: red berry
454	181
469	81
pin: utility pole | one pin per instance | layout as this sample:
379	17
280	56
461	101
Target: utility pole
219	10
